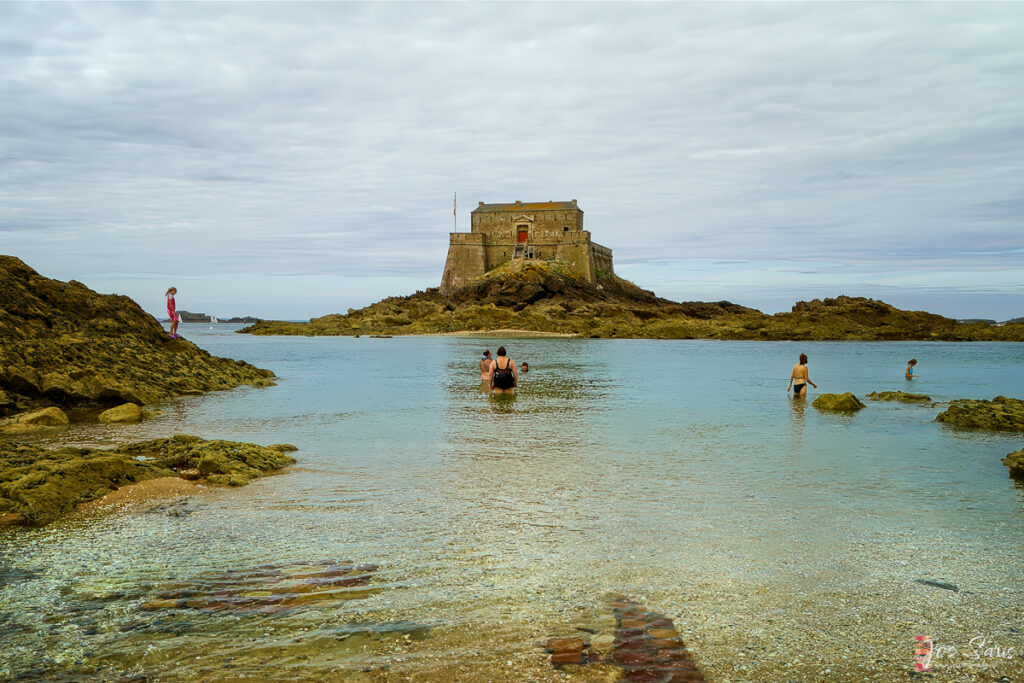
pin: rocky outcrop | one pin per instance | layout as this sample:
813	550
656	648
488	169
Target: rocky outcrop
35	421
901	396
838	403
38	485
549	296
65	345
999	414
1015	461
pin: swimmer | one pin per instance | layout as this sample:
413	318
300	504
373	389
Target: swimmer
910	368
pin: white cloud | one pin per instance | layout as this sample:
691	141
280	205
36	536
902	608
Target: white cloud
277	142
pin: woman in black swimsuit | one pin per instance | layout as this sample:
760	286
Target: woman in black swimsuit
504	377
801	378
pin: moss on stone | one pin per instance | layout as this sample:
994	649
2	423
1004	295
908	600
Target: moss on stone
838	403
1015	461
999	414
901	396
38	485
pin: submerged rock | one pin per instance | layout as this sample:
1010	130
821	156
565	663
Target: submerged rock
269	589
127	412
1015	461
999	414
39	485
841	403
901	396
66	345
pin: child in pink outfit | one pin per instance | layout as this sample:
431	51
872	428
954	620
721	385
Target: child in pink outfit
172	312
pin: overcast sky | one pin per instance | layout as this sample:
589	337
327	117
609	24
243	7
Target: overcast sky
293	160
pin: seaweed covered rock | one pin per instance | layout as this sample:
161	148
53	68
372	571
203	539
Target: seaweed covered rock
39	485
1015	461
126	412
37	420
229	463
838	403
65	345
999	414
901	396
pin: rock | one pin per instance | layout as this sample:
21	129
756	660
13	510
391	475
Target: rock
1015	461
127	412
901	396
64	344
36	421
842	403
999	414
39	485
49	417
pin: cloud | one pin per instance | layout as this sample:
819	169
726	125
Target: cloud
281	141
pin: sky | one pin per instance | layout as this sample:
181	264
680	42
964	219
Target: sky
299	159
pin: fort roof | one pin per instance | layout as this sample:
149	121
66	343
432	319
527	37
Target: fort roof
528	206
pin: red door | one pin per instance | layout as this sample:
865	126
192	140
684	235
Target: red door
522	236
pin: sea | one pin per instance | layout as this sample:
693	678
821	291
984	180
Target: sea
783	543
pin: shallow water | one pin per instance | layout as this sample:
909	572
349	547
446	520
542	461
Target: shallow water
785	543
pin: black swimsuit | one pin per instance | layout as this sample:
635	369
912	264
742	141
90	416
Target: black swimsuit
503	377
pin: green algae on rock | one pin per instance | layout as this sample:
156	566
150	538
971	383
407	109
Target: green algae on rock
838	403
999	414
39	485
551	296
1015	461
66	345
126	412
901	396
35	421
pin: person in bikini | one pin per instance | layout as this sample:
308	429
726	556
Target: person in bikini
799	378
504	376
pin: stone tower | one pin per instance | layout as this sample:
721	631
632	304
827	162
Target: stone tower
532	230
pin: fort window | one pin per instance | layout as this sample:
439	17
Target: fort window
565	228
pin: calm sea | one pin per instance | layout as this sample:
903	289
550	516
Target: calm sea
785	543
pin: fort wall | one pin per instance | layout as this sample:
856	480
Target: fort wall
530	230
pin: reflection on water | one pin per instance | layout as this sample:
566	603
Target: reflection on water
753	521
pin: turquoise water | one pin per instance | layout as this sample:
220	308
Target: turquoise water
676	472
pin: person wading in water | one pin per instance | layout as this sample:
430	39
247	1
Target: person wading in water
799	379
504	377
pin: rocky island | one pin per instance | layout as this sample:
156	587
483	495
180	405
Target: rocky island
554	297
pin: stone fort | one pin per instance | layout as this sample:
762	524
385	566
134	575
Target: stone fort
531	230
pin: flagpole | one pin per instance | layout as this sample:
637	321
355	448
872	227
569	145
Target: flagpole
455	210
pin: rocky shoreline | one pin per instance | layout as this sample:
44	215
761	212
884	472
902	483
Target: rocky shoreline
551	297
66	346
71	355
